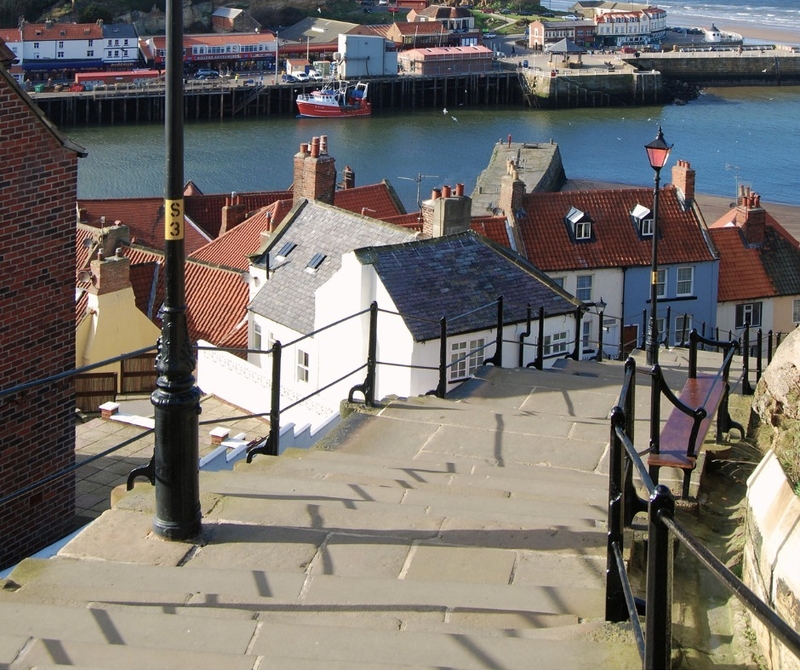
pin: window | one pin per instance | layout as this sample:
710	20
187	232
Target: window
749	313
796	311
584	288
683	326
586	326
60	54
256	336
555	343
643	220
90	52
285	250
583	230
35	45
647	228
60	45
685	281
91	43
558	281
465	357
315	262
302	366
661	283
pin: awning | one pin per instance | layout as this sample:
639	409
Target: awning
47	65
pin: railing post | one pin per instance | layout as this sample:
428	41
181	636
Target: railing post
683	329
693	354
665	334
616	607
372	355
599	356
747	389
497	359
577	349
275	403
522	336
759	359
539	363
441	388
769	348
703	333
658	623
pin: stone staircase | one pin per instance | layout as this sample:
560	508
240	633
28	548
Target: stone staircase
464	533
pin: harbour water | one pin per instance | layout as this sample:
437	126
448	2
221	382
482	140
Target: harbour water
729	135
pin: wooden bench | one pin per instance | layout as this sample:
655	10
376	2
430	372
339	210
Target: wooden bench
704	396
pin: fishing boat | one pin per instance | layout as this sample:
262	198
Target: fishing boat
336	99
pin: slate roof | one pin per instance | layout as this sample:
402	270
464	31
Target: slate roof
288	297
456	275
320	30
749	272
616	242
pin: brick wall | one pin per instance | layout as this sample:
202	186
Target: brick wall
37	326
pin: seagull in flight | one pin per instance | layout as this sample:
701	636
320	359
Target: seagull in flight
444	111
454	119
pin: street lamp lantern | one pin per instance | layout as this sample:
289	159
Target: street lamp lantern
657	153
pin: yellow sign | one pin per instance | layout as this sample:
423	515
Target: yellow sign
173	219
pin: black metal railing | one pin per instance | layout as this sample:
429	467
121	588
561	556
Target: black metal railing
654	643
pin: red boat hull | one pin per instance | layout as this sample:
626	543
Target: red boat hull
316	111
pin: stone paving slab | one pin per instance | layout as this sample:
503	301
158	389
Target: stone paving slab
446	651
81	655
127	627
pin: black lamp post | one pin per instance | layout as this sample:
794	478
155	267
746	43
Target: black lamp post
176	400
657	153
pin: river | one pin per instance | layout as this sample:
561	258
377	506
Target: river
729	135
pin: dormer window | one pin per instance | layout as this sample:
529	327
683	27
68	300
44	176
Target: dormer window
642	219
579	224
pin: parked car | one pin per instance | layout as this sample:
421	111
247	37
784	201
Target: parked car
315	76
206	74
301	76
489	36
288	79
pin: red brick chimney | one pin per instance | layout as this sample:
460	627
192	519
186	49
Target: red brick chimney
110	274
348	178
233	213
683	178
751	218
512	191
314	172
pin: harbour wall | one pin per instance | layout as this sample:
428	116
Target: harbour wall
718	68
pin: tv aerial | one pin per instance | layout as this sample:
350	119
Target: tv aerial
419	179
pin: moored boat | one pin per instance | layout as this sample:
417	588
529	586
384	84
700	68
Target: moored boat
336	99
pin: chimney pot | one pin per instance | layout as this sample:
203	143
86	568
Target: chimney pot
436	193
446	191
323	144
315	147
459	190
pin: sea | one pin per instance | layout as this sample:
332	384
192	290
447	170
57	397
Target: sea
731	136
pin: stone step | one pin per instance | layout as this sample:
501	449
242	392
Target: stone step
414	649
314	464
127	627
254	497
58	653
428	433
433	579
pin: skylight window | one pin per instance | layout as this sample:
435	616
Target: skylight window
315	262
285	250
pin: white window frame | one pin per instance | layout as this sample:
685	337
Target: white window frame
661	282
586	335
749	309
556	343
256	336
679	281
678	323
303	360
466	366
581	291
583	230
646	227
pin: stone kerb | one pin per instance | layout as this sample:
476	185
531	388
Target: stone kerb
772	545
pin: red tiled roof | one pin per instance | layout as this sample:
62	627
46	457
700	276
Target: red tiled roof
206	210
216	301
615	242
147	281
144	217
737	261
232	249
377	201
493	227
410	221
62	31
420	28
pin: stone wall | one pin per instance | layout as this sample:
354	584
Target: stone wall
772	545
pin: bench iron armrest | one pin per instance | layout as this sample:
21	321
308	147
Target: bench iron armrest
670	395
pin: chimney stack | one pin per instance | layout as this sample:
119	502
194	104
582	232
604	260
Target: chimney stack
683	178
233	213
445	213
751	218
512	191
349	177
314	172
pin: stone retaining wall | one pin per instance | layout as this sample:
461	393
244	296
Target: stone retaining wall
772	548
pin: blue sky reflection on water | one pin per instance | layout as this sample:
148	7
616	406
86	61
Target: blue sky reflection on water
749	134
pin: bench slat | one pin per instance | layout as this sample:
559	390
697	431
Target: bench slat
675	436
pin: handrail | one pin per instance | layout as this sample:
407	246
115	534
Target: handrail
324	328
623	504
